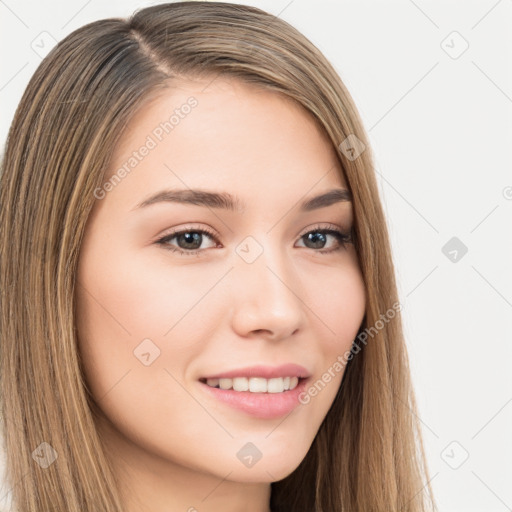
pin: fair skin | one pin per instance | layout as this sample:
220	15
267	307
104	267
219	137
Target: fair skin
173	445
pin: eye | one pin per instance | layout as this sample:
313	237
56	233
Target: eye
190	239
318	236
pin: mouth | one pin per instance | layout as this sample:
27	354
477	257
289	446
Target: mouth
255	384
258	397
261	391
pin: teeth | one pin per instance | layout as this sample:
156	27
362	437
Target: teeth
240	384
213	382
225	383
275	385
256	384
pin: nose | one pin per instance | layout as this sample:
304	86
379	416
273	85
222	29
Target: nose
266	298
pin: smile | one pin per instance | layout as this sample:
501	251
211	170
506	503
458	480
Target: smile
255	384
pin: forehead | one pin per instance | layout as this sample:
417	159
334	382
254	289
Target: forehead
224	134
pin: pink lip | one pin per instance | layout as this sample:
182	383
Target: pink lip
267	372
259	405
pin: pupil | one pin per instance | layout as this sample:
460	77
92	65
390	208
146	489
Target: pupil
314	237
191	238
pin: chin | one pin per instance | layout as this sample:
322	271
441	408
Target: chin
272	468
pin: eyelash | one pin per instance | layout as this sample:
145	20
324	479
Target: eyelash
343	239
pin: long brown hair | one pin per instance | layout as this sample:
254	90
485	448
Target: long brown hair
368	454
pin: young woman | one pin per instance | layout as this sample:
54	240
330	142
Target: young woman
199	310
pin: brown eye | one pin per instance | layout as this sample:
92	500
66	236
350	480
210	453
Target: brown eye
319	237
188	240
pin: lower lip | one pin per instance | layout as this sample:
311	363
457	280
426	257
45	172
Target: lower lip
260	405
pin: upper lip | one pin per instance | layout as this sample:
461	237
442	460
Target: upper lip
267	372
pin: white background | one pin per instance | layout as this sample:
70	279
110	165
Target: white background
441	128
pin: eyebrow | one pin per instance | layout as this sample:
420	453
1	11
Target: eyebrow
224	200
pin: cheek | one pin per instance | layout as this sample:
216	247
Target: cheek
338	303
338	308
122	317
130	297
140	323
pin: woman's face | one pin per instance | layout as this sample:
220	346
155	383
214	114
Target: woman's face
265	295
